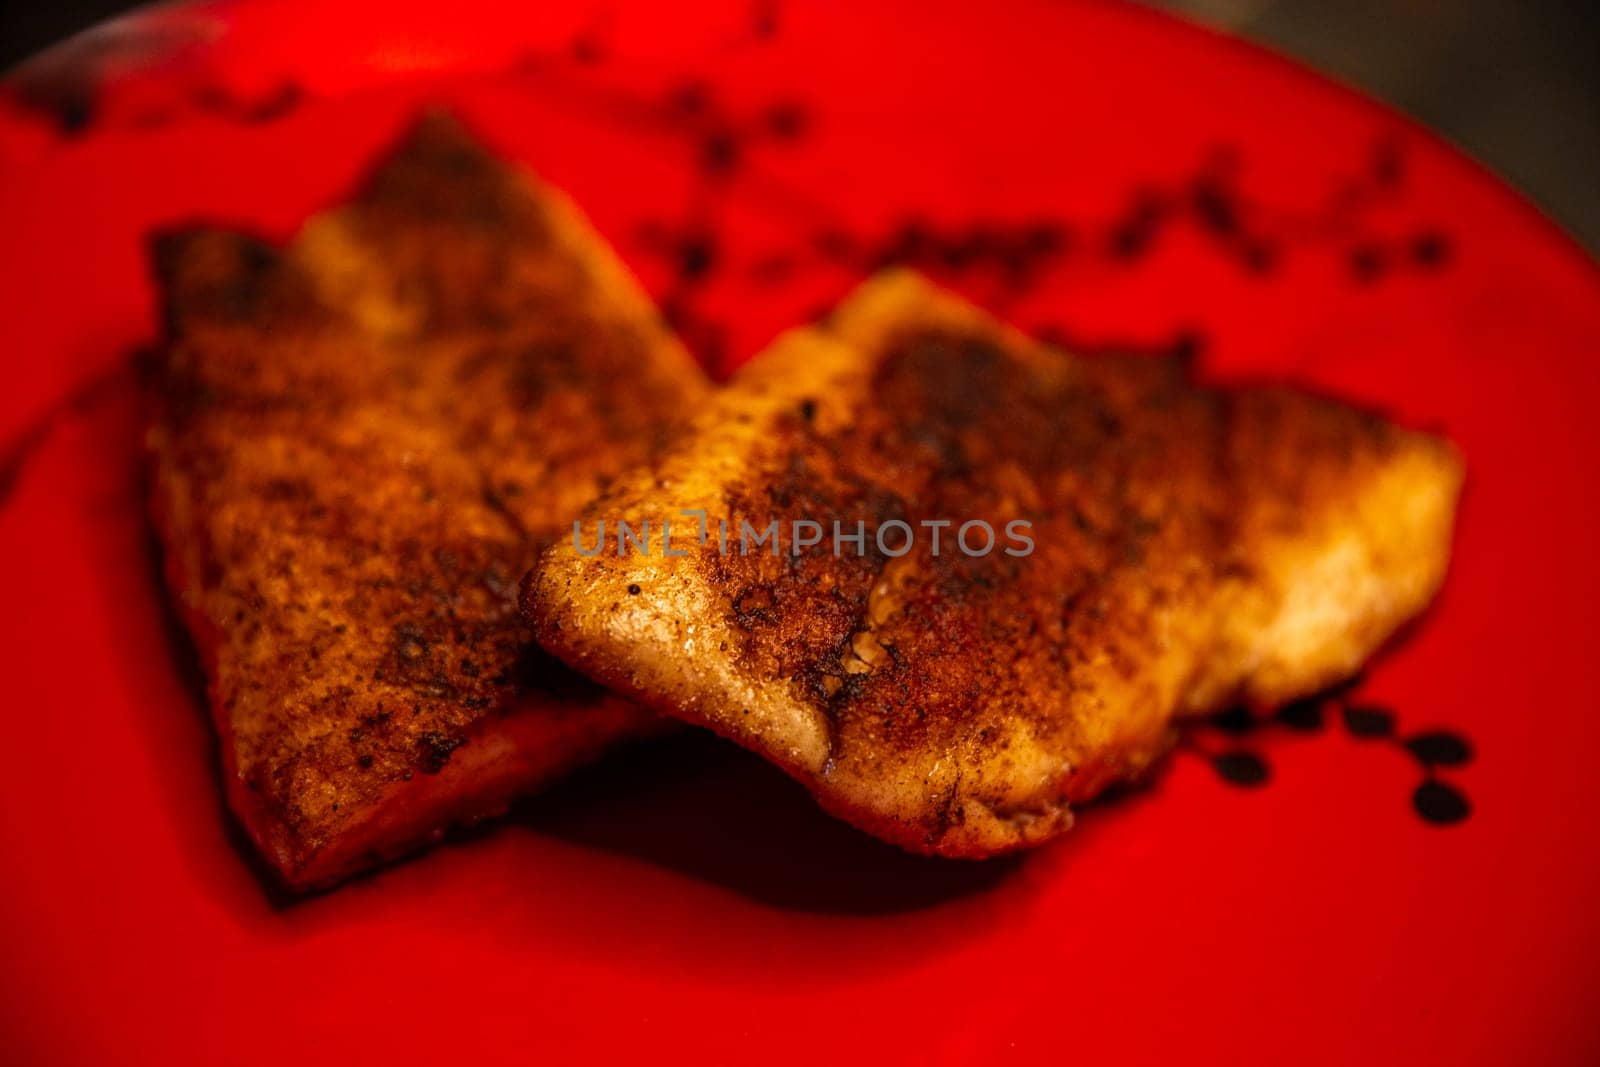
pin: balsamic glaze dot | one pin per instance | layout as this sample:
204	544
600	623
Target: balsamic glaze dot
287	97
909	243
1133	234
1241	768
1368	262
1302	715
983	242
588	49
1367	720
1260	257
690	98
1388	164
787	121
1185	348
697	255
1128	241
1349	684
73	114
1044	238
1430	249
719	152
959	251
1440	748
1017	265
1236	720
765	19
1216	207
1440	803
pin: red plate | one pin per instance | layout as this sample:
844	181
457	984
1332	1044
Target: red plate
1093	170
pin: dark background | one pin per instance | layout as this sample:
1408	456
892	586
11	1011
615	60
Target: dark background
1515	84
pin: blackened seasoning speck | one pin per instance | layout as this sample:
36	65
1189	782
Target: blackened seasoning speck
409	642
434	749
633	590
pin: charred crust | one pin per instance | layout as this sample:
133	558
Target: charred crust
434	750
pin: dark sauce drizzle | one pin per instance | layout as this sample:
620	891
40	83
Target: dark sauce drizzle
1238	763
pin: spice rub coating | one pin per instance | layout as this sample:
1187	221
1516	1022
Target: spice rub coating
359	442
1191	548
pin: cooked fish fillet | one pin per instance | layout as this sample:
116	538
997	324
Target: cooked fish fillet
1191	548
359	443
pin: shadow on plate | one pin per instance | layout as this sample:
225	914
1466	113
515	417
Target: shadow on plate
700	806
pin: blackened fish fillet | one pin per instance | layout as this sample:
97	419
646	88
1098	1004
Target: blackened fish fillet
360	441
1191	548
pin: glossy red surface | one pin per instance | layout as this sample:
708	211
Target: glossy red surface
1096	170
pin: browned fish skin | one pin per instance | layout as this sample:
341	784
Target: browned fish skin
1192	548
359	443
